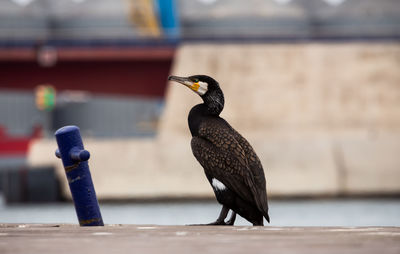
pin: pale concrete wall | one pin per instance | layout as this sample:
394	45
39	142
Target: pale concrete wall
323	118
126	169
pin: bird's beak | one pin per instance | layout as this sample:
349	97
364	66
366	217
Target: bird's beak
198	87
183	80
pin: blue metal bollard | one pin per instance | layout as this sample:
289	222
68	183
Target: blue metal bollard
75	157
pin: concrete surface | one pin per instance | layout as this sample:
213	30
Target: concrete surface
40	238
323	118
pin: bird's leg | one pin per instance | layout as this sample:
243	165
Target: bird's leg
231	221
221	218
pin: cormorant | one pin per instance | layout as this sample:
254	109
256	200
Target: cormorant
230	163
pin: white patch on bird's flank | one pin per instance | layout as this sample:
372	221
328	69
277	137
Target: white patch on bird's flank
203	88
218	185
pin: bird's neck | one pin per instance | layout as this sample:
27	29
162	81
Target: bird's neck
214	102
197	115
212	107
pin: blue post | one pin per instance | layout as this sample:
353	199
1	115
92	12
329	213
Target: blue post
75	159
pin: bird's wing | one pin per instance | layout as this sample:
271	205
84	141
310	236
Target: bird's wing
256	169
219	164
222	156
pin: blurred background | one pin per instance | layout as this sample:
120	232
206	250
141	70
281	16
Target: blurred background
314	85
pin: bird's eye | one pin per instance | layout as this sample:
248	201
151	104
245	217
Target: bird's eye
196	80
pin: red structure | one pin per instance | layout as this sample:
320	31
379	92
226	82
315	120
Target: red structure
122	71
16	146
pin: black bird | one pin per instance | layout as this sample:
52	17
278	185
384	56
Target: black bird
230	163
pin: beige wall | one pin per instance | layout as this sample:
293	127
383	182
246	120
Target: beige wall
323	118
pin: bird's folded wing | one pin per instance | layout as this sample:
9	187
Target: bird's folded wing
222	166
256	169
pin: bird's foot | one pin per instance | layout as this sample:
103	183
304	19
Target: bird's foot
221	219
215	223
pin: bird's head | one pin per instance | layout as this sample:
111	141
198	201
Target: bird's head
205	86
200	84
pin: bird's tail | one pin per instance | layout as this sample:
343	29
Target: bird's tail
266	216
264	206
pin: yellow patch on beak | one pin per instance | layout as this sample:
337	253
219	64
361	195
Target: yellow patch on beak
195	86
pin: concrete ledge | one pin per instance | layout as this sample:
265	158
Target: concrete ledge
195	239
